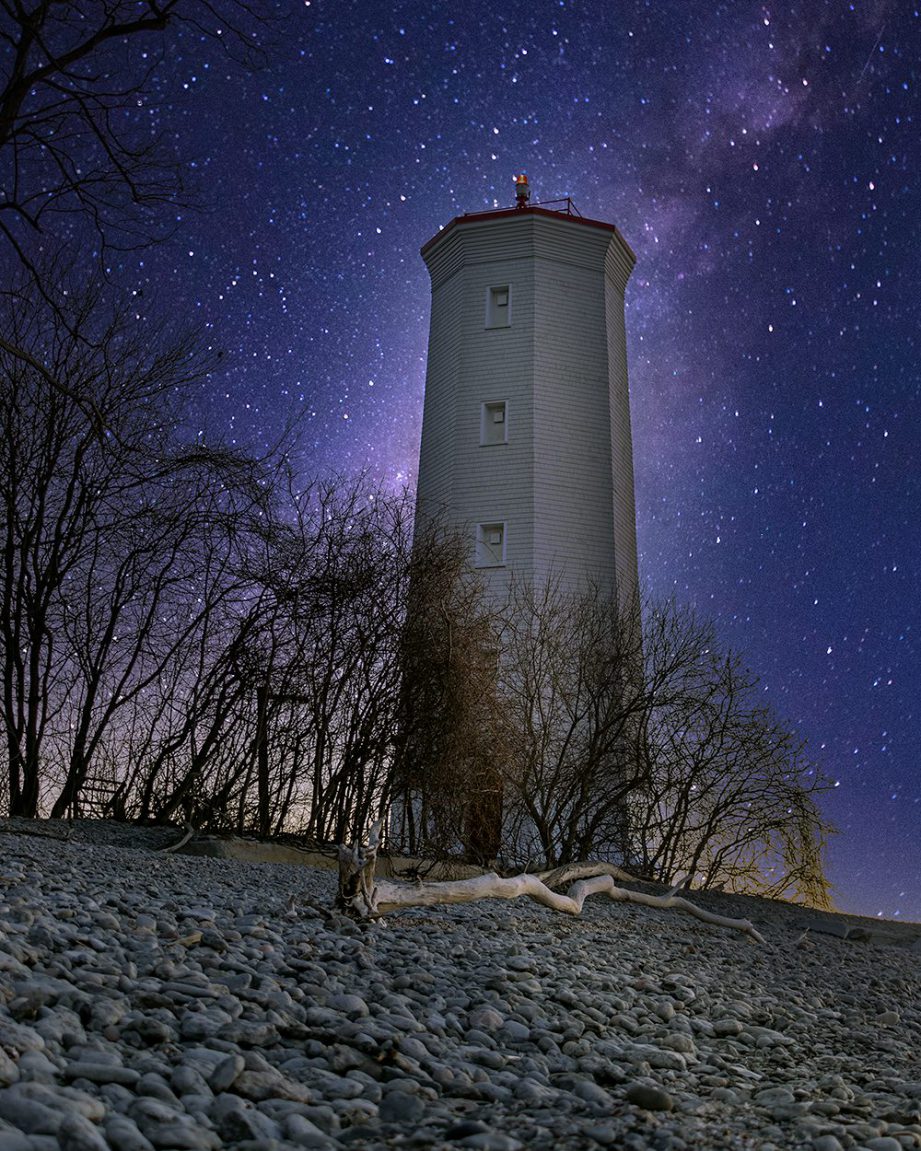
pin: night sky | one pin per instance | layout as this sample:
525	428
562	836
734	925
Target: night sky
762	162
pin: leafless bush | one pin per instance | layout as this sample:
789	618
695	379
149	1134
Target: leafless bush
650	750
571	685
448	783
730	798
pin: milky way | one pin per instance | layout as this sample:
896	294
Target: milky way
762	162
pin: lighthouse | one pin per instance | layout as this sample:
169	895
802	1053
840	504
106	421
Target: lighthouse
526	444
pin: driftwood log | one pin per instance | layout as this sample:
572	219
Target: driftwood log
364	897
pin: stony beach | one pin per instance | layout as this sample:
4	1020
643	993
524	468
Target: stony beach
153	1000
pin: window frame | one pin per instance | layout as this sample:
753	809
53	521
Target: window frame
498	315
487	423
480	559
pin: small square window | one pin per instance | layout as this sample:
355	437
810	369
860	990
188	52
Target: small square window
494	423
499	306
490	545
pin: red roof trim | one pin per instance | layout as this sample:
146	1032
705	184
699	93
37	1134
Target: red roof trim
503	213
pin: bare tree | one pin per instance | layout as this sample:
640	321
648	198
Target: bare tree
571	681
105	528
452	736
332	569
77	83
652	750
191	755
729	797
293	722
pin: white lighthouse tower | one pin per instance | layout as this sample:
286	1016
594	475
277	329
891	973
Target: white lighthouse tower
526	440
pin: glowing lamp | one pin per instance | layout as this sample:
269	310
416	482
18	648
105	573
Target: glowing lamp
522	191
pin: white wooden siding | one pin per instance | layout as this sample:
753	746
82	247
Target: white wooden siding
563	483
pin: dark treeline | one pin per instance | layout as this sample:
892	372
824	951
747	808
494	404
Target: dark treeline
187	634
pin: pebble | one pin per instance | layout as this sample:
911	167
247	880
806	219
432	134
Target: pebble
226	1073
649	1098
134	1016
78	1134
400	1107
102	1073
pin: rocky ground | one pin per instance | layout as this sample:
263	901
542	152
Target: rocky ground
163	1001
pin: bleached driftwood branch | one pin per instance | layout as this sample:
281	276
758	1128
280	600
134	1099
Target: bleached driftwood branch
180	843
360	895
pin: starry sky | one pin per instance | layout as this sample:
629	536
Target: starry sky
761	160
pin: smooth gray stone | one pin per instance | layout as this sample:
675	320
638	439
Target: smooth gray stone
226	1073
649	1098
78	1134
489	1058
149	1030
590	1092
247	1123
400	1107
602	1134
9	1071
145	1110
123	1135
108	1013
351	1005
412	1047
36	1067
300	1130
18	1037
515	1032
181	1134
250	1034
335	1086
153	1084
485	1018
96	1053
69	1098
187	1080
44	1143
820	926
114	1097
656	1057
491	1141
101	1073
775	1097
196	1027
204	1059
15	1141
324	1116
679	1041
493	1093
258	1085
28	1115
222	1104
256	1062
537	1094
198	1106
